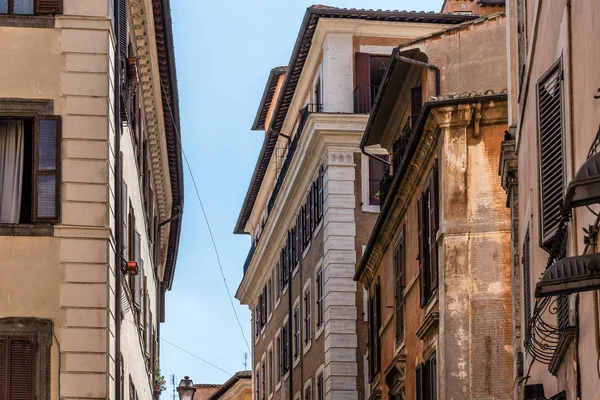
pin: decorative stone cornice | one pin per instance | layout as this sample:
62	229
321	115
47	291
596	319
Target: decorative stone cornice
143	24
430	323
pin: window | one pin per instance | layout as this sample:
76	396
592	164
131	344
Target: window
31	7
25	358
264	381
279	351
369	71
308	391
426	375
270	362
296	332
29	176
320	193
526	261
376	171
270	297
308	220
285	348
285	272
307	333
320	387
298	241
263	312
256	322
257	383
427	208
319	281
551	151
399	288
374	325
279	286
416	103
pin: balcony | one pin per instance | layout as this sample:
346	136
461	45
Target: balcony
399	148
364	98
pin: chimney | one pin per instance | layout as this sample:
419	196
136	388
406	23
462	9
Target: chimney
475	7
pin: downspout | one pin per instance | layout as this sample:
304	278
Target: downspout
437	93
290	337
118	199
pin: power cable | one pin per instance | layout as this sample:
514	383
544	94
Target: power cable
178	136
195	356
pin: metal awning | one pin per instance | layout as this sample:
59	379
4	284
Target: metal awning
570	275
585	188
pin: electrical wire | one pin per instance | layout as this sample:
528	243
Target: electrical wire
178	137
195	356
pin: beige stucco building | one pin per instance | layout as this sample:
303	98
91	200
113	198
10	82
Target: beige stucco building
313	200
90	170
554	116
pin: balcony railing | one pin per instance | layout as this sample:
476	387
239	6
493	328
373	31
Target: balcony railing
364	98
399	148
304	113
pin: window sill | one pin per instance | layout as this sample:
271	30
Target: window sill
318	228
306	250
295	270
26	229
370	208
307	347
296	361
27	21
320	330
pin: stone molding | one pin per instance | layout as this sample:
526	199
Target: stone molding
20	106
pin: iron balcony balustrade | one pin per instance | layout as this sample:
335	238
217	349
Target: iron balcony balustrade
399	148
304	113
364	98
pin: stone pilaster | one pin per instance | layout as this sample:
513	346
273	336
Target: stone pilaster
339	263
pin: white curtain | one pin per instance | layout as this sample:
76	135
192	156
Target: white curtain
11	170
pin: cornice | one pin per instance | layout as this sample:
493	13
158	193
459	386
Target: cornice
146	52
322	132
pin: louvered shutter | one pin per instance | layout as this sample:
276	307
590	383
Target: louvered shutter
315	194
48	7
137	293
21	368
551	149
416	103
526	262
125	216
433	228
371	337
321	200
362	79
310	221
305	235
399	272
299	239
420	382
148	330
377	316
46	182
132	256
432	375
2	367
422	256
123	39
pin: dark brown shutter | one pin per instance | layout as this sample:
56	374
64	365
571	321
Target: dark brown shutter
125	215
551	146
137	293
416	102
422	249
299	237
21	368
320	196
123	39
371	338
311	197
432	375
132	255
2	367
399	275
376	171
377	315
48	7
362	80
420	382
148	324
433	227
527	287
307	218
46	176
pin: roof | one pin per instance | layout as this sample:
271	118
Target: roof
230	383
267	98
295	67
170	102
207	385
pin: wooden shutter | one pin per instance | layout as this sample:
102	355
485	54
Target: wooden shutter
123	39
399	275
376	171
371	337
19	369
148	322
551	151
422	256
526	261
420	382
320	198
307	218
46	176
432	377
377	315
416	103
2	367
48	7
311	200
299	238
433	227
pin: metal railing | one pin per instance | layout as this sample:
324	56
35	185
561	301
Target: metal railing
364	98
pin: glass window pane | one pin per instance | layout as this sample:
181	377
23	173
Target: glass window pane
46	196
3	6
47	145
23	7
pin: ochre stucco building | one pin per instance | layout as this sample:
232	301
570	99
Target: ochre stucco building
437	264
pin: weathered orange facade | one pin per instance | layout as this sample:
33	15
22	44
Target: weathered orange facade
443	214
556	347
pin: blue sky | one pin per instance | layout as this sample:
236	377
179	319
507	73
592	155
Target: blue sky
225	50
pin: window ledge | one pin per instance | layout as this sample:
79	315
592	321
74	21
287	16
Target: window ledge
26	229
306	250
318	228
307	347
320	330
27	21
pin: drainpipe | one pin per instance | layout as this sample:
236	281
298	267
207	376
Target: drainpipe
118	198
437	93
290	337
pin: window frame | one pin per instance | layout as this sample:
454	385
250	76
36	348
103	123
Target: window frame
399	266
365	176
41	331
